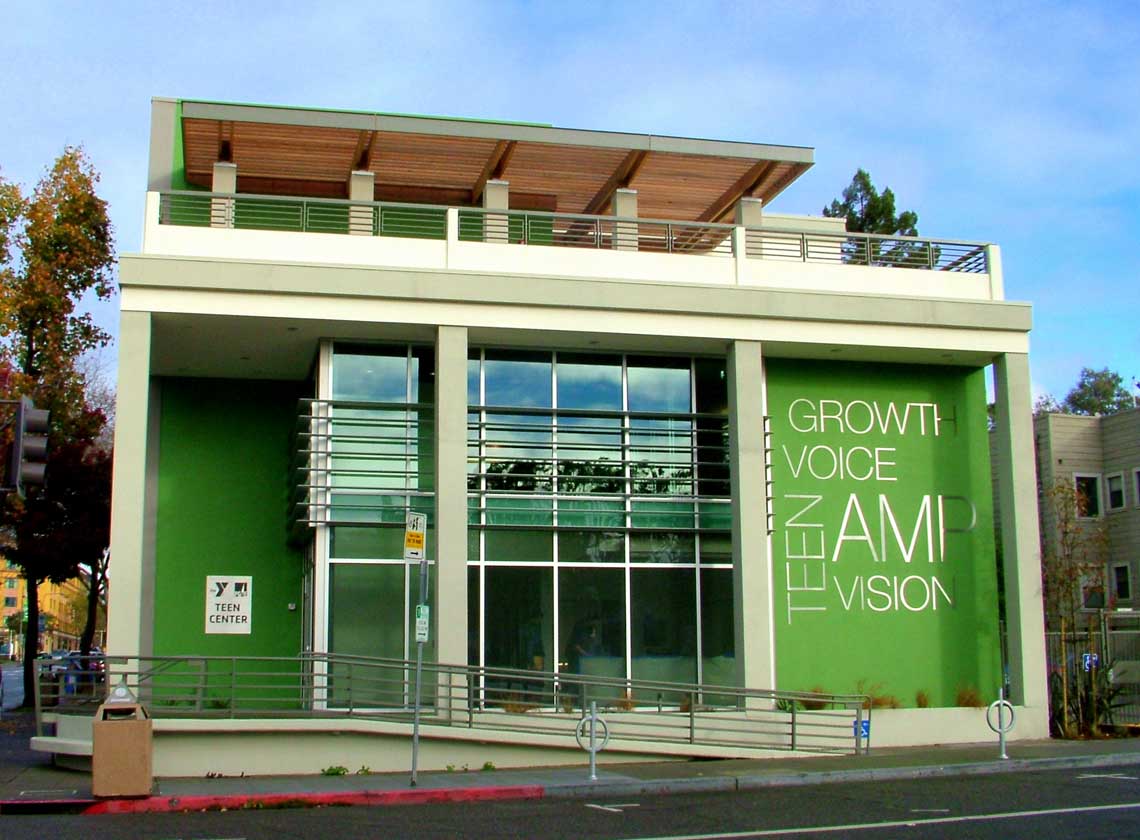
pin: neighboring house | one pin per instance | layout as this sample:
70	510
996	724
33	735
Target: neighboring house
659	432
1099	457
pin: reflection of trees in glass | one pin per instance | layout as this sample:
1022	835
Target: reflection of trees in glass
661	479
521	475
712	457
589	477
601	476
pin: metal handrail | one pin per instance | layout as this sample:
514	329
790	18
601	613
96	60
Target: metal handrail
528	227
880	250
323	685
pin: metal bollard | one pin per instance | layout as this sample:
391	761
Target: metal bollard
592	722
1002	727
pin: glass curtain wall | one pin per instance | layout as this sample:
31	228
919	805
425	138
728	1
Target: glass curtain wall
380	466
599	537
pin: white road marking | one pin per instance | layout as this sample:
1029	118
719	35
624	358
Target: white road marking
827	829
47	790
613	809
930	810
1120	776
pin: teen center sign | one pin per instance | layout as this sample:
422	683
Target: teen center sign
882	553
229	604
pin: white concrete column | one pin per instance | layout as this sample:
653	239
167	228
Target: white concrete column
750	214
625	207
496	196
361	187
131	591
997	280
162	129
225	181
1021	546
751	573
451	493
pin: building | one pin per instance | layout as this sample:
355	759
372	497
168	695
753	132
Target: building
13	595
1099	457
659	431
60	604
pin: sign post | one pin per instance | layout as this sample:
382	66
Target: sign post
415	543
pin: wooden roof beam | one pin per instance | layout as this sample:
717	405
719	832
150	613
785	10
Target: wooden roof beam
743	186
225	153
621	178
494	167
782	184
361	156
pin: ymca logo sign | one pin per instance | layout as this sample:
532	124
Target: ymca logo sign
229	604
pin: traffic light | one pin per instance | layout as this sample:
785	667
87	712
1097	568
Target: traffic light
27	453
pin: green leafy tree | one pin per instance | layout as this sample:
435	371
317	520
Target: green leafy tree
866	210
55	249
1096	392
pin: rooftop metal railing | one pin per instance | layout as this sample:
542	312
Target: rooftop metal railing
572	230
718	718
868	249
645	235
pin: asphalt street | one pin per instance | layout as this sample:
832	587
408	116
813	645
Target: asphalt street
1062	803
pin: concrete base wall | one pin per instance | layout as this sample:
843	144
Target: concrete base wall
254	754
923	727
184	747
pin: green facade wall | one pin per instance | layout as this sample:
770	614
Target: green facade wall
222	510
883	551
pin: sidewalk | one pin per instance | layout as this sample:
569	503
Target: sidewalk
29	783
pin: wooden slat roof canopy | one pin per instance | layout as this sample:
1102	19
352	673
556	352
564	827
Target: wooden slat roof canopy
290	151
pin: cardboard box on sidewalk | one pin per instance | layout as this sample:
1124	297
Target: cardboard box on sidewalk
122	749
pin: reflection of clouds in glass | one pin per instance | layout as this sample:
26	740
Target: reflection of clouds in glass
658	389
376	378
518	383
473	382
589	386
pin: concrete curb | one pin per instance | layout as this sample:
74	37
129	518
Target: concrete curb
987	768
235	802
711	784
571	790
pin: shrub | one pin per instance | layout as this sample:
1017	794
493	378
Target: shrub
876	699
968	697
815	702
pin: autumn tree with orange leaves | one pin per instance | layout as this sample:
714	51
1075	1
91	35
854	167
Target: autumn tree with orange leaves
55	249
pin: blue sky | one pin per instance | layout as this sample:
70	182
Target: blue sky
1016	123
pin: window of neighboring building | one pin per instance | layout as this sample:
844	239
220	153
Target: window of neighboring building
10	583
1121	582
1136	487
9	601
1115	484
1088	495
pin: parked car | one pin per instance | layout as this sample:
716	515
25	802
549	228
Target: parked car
93	662
55	662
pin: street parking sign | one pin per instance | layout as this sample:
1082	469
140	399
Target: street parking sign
415	536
